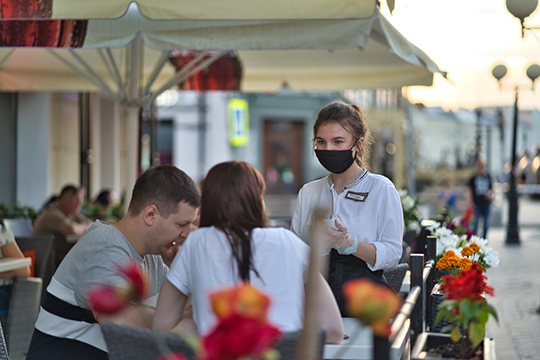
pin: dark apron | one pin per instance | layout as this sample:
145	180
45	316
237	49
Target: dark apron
343	268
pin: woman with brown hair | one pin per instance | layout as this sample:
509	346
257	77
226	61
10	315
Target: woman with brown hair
234	245
364	228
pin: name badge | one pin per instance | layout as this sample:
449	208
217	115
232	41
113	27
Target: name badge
351	195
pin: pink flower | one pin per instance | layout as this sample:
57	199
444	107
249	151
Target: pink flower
108	299
105	300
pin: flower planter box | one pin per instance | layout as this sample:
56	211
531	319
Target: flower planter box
427	341
435	298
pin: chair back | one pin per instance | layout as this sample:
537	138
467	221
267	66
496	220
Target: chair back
19	227
22	315
42	245
395	277
127	343
44	264
3	347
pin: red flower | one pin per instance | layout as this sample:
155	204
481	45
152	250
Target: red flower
468	284
107	299
138	286
238	336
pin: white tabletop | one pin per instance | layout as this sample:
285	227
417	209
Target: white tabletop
358	346
7	264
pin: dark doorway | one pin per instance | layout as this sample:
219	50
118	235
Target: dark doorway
283	159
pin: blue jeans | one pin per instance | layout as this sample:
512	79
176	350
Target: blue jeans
481	211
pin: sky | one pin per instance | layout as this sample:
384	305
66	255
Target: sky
468	38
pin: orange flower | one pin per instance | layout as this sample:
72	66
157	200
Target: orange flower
450	253
453	261
442	264
465	263
371	303
474	247
243	300
467	251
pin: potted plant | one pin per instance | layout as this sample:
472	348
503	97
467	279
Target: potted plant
17	211
466	310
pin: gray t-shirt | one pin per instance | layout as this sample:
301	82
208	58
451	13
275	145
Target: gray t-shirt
94	261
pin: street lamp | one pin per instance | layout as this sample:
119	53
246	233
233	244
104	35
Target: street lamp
522	9
512	229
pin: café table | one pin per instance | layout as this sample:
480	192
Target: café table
358	342
8	264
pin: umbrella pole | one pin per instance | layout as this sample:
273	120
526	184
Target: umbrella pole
132	123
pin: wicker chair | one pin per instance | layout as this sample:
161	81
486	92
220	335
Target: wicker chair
394	277
22	315
3	348
126	343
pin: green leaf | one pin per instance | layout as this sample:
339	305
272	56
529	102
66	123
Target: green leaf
493	312
476	333
483	316
467	308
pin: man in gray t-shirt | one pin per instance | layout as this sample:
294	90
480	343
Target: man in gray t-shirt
163	206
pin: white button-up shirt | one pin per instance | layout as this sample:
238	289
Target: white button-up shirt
370	208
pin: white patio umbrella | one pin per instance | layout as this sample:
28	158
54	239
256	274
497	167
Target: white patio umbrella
312	45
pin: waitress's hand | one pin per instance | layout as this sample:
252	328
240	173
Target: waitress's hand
340	238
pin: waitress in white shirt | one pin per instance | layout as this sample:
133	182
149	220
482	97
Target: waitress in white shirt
365	219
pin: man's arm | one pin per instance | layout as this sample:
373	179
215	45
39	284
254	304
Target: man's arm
69	227
139	316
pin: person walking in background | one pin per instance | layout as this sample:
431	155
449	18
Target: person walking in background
448	198
479	196
63	218
365	224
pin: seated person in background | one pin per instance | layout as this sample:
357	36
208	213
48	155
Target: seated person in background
9	248
232	245
62	218
161	210
102	206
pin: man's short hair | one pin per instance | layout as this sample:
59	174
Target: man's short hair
165	186
70	189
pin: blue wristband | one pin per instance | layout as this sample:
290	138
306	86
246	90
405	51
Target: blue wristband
351	249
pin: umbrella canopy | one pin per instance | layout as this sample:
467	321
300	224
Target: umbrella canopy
311	45
309	55
188	9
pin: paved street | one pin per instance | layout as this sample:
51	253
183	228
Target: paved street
517	287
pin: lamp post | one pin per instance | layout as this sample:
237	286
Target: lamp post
512	229
522	9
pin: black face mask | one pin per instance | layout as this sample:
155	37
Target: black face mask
336	161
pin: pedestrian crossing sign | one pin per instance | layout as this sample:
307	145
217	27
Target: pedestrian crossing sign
238	116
